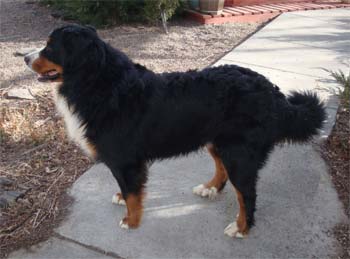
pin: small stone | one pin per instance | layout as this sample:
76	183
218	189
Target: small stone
15	194
57	13
20	93
9	197
5	182
40	123
23	52
23	187
3	203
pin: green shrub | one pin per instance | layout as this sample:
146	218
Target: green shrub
153	9
342	79
103	12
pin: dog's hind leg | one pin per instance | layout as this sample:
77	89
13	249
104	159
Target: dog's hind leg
217	183
242	164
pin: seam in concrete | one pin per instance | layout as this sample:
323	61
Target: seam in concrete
278	69
89	247
307	45
244	39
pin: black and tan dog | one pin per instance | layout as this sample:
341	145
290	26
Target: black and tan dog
125	116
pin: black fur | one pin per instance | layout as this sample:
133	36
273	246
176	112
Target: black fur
133	116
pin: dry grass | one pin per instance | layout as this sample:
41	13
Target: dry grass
37	157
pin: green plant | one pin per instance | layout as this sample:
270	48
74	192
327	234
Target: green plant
94	12
153	9
103	12
99	12
344	80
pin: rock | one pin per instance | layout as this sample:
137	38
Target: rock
5	182
57	13
3	203
9	197
20	93
15	194
23	52
40	123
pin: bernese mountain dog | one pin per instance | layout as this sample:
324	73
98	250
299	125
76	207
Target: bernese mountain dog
126	116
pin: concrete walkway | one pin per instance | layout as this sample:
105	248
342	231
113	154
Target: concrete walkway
297	205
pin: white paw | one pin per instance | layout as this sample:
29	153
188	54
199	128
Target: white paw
232	230
117	199
203	191
123	225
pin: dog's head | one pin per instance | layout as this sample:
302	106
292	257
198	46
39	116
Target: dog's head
68	49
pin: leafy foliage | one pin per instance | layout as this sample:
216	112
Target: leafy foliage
344	80
103	12
153	9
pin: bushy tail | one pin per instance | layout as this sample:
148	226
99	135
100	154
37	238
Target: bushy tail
303	116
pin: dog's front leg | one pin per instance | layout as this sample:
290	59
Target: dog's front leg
131	179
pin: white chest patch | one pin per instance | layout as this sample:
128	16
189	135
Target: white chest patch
76	131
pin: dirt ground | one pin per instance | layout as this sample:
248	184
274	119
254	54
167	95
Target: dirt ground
336	151
35	154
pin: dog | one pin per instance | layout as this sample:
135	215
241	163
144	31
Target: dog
126	116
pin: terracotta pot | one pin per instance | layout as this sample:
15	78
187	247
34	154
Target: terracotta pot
211	6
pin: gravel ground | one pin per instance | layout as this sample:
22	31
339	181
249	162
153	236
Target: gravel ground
336	151
39	157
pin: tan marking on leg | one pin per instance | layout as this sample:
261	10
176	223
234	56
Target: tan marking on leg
242	215
220	176
92	150
134	210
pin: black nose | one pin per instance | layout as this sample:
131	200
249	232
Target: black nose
26	59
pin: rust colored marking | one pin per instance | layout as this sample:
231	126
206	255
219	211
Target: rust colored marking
92	150
134	210
242	215
42	65
220	176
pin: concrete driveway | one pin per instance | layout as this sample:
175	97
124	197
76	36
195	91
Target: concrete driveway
297	206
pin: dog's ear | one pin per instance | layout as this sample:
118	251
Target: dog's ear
73	39
82	48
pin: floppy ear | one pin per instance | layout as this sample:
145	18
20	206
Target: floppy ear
82	50
74	40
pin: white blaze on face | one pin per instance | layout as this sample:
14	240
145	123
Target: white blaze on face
31	57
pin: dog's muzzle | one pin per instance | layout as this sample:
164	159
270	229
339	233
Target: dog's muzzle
30	57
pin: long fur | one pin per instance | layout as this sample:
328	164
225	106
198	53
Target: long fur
132	115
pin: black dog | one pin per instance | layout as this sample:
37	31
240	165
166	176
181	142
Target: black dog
125	116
